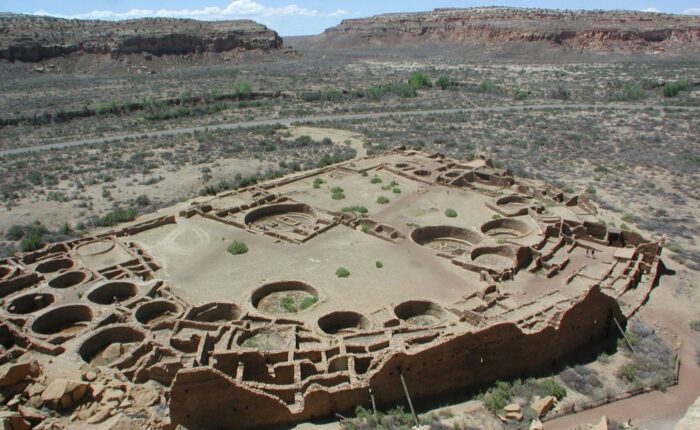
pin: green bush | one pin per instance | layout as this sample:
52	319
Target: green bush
376	179
288	304
549	387
379	264
242	89
520	94
695	325
355	209
627	373
337	193
496	397
487	86
382	200
627	91
342	272
307	302
450	213
115	217
237	248
444	83
419	80
318	182
396	190
16	232
672	89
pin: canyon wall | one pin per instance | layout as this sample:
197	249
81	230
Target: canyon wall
31	39
585	31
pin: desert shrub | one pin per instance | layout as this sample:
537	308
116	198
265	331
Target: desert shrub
337	193
582	379
288	304
672	89
382	200
375	179
487	86
520	94
64	229
16	232
34	177
396	190
342	272
355	209
444	83
450	213
115	217
627	91
560	92
496	397
237	248
695	325
379	264
318	182
550	387
242	89
142	200
419	80
307	302
627	373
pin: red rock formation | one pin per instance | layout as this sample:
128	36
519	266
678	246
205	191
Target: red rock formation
581	30
29	38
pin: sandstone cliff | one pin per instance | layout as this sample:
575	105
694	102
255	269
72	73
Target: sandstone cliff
585	31
30	39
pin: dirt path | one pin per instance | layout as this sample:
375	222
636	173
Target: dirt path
322	118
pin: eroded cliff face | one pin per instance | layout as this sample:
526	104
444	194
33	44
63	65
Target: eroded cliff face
32	39
582	30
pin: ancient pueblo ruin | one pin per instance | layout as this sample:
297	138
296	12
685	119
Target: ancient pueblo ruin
499	278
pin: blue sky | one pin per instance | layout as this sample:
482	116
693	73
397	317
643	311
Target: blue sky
294	17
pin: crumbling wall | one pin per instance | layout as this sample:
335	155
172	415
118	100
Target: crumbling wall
462	362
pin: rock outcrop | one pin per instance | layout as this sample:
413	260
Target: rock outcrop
585	31
31	39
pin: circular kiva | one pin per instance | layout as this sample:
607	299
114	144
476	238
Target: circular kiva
68	279
112	292
513	200
284	297
445	238
95	248
401	165
264	340
157	311
30	303
281	217
51	266
497	258
421	172
341	322
216	312
420	313
63	320
506	228
110	344
453	174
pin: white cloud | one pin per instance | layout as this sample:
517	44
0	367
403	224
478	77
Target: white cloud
235	10
692	11
650	9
